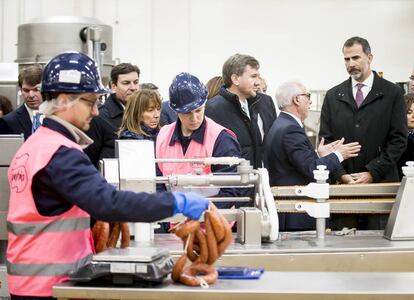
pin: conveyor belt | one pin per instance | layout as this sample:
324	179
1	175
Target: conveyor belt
360	198
346	190
342	205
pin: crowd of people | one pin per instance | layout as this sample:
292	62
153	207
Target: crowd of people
366	124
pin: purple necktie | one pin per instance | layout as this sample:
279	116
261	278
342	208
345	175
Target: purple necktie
359	98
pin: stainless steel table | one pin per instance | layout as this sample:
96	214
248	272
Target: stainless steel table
272	285
366	251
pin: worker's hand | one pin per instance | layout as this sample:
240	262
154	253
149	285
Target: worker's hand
190	205
362	177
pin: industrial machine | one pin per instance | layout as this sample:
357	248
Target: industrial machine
42	38
351	263
347	264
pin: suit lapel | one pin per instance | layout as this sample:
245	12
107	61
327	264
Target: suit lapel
345	94
376	91
290	119
24	120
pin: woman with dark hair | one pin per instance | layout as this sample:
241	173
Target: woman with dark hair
408	155
5	106
141	120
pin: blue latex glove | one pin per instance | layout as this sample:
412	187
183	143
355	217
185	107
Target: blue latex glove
190	205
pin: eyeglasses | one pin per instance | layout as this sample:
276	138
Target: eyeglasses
306	95
92	103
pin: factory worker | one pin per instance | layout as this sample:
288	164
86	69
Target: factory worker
195	136
54	187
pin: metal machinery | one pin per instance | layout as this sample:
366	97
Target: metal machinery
299	265
347	264
42	38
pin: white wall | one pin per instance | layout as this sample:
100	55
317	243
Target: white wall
292	39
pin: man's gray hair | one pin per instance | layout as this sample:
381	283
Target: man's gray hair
286	91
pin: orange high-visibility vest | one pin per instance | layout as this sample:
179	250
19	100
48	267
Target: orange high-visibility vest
42	250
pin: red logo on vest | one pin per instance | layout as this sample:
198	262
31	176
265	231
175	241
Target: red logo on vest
18	173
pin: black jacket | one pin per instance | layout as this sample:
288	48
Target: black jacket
225	109
379	125
167	116
408	155
17	122
103	130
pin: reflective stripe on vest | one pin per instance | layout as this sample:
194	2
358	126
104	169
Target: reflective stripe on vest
55	226
55	269
42	250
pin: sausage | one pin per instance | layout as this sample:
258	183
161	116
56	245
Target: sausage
191	274
184	229
217	225
190	250
114	235
209	245
203	249
125	236
228	237
101	235
178	268
211	240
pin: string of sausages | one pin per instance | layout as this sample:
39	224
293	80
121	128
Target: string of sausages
202	247
106	235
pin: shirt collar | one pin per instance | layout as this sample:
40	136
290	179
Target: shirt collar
30	111
79	136
295	117
367	82
197	135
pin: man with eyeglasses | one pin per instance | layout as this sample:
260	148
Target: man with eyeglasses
370	110
25	119
54	188
289	155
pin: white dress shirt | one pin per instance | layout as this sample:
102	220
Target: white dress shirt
366	88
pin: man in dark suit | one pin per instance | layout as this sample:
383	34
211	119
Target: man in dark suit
20	120
290	157
371	110
124	82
